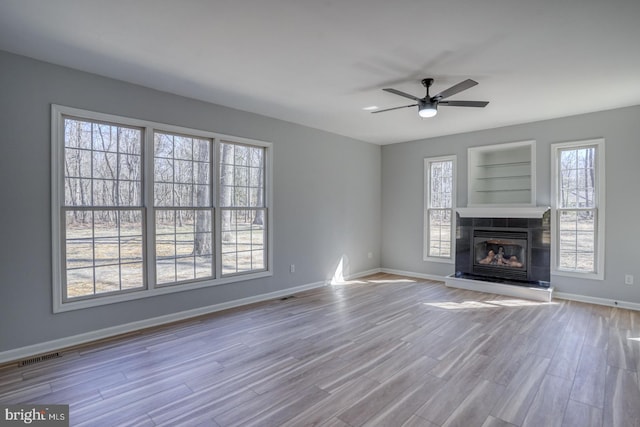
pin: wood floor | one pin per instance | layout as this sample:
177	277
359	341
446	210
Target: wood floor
381	351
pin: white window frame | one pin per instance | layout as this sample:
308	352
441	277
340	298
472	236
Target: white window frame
599	208
427	207
58	114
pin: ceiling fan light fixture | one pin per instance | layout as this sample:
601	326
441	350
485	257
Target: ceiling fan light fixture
427	109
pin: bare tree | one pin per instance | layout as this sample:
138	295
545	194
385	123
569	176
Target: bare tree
257	182
226	188
202	241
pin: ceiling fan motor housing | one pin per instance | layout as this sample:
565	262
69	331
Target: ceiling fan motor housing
427	104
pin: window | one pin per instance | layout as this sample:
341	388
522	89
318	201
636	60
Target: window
439	208
578	205
141	208
183	208
102	208
242	207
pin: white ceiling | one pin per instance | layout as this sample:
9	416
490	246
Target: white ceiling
319	62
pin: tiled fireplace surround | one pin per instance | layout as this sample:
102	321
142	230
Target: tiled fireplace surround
538	264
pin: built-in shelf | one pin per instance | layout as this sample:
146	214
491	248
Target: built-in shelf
480	178
505	189
502	174
502	165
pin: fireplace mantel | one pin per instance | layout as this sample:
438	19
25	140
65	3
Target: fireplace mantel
502	211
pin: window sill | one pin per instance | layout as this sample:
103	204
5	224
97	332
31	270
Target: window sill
60	307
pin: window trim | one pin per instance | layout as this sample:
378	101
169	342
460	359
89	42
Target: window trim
58	114
599	209
427	199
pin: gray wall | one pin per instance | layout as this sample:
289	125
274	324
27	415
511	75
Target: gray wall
402	189
326	198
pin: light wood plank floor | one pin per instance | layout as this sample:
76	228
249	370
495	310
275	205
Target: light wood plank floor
381	351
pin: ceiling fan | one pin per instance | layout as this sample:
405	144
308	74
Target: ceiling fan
428	106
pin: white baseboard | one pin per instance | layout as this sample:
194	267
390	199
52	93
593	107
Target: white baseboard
598	301
412	274
61	343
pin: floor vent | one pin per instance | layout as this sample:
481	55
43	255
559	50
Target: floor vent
39	359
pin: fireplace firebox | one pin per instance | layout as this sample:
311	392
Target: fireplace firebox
501	253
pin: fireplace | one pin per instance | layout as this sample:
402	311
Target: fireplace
504	250
501	253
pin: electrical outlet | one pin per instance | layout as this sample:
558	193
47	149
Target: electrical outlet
292	268
628	279
370	255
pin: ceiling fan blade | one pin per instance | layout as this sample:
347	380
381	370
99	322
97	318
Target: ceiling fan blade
394	108
397	92
464	103
455	89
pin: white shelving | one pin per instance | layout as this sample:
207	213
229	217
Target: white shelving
502	174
